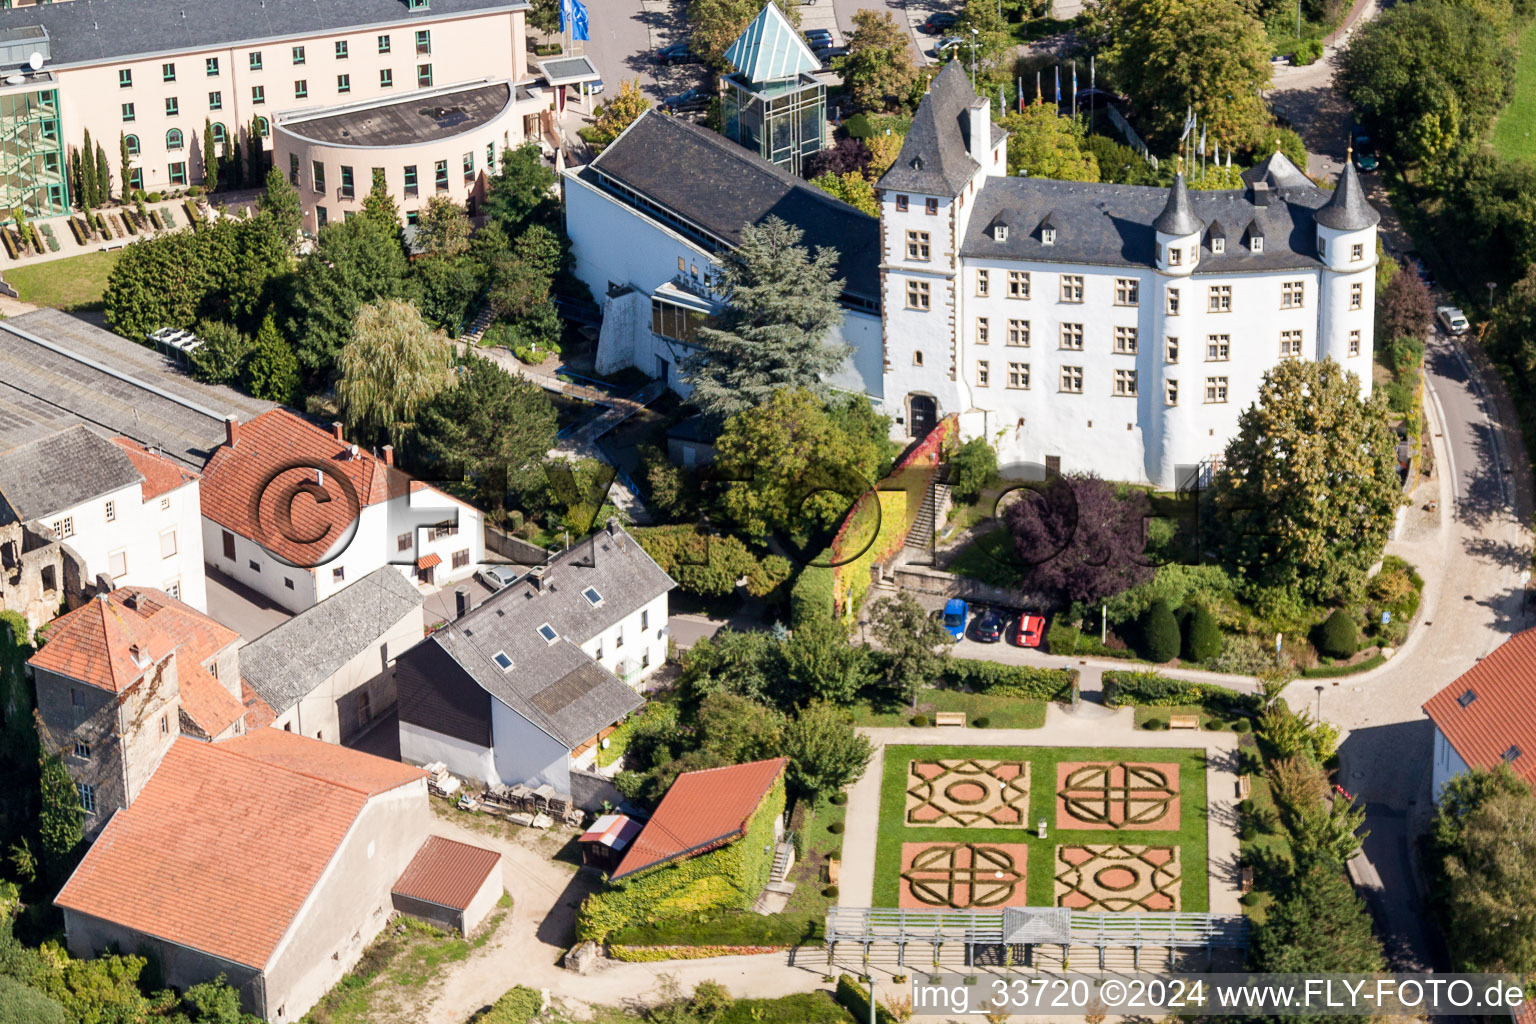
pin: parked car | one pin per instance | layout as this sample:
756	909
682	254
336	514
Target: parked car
988	627
677	53
1031	630
939	21
817	36
1452	319
692	99
1365	153
495	576
947	43
595	88
956	614
830	53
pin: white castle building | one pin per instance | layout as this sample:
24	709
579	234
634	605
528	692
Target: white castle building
1109	328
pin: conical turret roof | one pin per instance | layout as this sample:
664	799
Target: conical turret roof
1348	209
1178	217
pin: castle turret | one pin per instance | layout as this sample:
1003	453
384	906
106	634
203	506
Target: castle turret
1346	245
1178	232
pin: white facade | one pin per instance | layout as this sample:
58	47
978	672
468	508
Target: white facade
136	542
635	647
1127	371
1447	764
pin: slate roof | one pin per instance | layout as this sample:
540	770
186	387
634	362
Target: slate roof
397	122
447	873
1491	708
1278	171
83	374
556	686
770	49
286	663
1112	225
1347	209
227	840
91	31
702	811
61	471
718	187
1178	217
935	158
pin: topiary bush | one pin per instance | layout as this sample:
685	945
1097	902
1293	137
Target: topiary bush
981	722
1339	635
837	799
830	892
919	720
836	828
1241	725
1159	633
1154	724
1202	637
1213	725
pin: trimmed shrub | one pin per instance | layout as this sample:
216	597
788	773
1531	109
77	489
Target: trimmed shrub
812	596
1214	724
1308	51
1338	636
836	828
1154	724
981	722
1009	680
919	720
1202	637
1241	725
1150	689
830	892
1159	633
854	998
837	799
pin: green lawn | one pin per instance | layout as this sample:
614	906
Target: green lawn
1191	836
1514	134
74	284
990	558
1000	712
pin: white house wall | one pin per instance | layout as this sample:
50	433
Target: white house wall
419	745
524	753
606	650
1448	764
135	531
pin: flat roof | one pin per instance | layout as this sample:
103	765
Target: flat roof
569	70
419	117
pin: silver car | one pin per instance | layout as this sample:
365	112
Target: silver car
1452	319
496	576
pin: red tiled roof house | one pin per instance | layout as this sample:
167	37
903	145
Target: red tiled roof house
1487	717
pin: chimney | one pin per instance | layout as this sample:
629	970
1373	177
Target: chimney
460	600
537	575
336	429
613	525
980	131
139	655
1261	193
389	455
231	430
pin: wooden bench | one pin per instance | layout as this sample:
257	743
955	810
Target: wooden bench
1244	787
834	868
949	718
1184	722
1245	880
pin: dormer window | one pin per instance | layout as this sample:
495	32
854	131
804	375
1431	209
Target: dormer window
1048	236
502	661
139	655
548	633
1218	246
1000	232
1256	243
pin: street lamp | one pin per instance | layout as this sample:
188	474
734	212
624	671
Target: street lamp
1491	286
1319	689
974	35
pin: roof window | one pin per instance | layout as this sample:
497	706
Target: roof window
548	633
593	597
1466	698
1510	754
502	661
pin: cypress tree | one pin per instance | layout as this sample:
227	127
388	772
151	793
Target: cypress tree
126	159
1160	633
1202	637
88	172
253	138
76	179
210	157
104	176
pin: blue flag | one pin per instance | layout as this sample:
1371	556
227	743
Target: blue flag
573	18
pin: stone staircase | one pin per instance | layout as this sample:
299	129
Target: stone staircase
935	501
783	860
477	327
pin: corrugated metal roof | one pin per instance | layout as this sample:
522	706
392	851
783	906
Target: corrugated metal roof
702	811
770	49
1490	709
446	873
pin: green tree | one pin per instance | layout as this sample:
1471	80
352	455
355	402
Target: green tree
702	563
76	178
1043	144
1202	637
745	662
738	729
215	1002
1173	55
878	72
994	44
1318	924
821	665
914	644
544	16
88	172
1514	323
539	249
617	114
972	469
1159	633
354	262
272	371
281	208
1490	873
1308	488
393	365
852	188
166	281
522	193
443	228
717	23
104	176
222	357
1339	635
125	161
772	333
255	163
61	824
447	288
789	467
22	1004
491	432
825	754
210	157
380	208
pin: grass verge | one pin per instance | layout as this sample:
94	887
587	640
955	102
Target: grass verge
74	285
1000	712
1514	133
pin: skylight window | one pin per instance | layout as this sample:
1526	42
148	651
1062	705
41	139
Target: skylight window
1466	698
502	661
548	633
1512	753
593	597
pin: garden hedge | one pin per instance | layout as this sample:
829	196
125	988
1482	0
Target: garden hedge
1009	680
811	597
1150	689
854	998
518	1005
655	954
1339	635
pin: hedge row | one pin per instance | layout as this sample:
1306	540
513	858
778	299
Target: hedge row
1149	689
654	954
854	998
1010	680
813	596
518	1005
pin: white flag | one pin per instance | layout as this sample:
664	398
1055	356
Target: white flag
1201	149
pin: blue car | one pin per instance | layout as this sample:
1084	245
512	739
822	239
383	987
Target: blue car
956	614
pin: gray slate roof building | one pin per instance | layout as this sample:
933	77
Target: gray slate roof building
60	471
554	684
93	31
57	370
1178	217
1114	225
935	158
708	187
1348	210
284	664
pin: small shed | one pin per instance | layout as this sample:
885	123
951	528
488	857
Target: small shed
603	845
450	884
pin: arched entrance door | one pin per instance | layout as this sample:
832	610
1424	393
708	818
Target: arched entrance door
923	415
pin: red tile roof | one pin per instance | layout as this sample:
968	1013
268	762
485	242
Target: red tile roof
258	713
1500	714
161	475
325	762
246	487
92	644
702	811
447	873
224	844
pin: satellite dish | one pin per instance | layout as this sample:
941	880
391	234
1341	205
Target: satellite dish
15	80
35	61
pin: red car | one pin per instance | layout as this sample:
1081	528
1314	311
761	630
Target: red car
1031	630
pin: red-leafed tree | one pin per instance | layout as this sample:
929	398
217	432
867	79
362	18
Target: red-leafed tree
1077	540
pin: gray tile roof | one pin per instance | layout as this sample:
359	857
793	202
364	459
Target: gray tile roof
91	31
1347	209
444	114
286	663
556	686
1178	217
1112	225
720	187
61	471
1278	171
934	158
131	391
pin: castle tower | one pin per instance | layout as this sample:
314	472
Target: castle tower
1346	245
